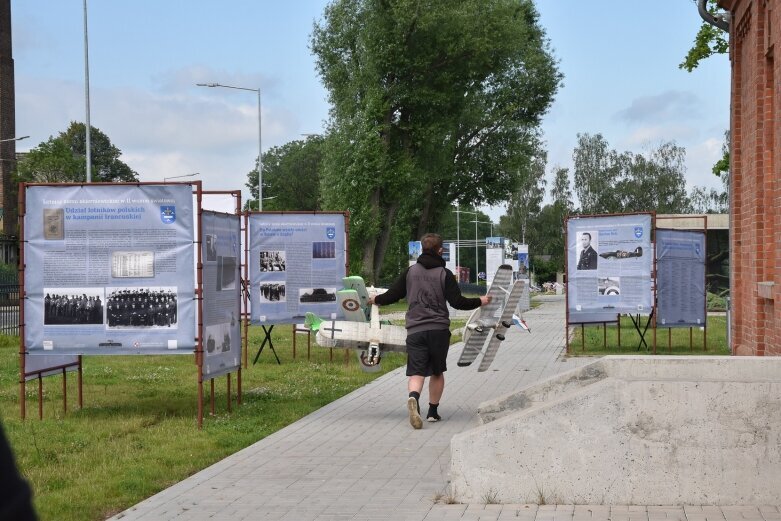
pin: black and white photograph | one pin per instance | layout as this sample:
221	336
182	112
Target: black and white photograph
272	292
141	307
610	286
73	306
316	295
211	248
218	339
323	250
272	261
587	250
226	273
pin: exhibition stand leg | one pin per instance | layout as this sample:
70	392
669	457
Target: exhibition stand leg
637	324
266	339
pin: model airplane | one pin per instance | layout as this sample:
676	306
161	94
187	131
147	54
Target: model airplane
490	322
621	254
364	331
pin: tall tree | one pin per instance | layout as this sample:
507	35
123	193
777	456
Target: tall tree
524	203
597	171
432	103
561	191
656	181
291	176
63	159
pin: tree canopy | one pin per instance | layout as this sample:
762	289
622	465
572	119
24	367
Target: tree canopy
63	159
291	176
432	103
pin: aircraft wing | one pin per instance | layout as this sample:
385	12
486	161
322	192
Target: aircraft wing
504	323
358	335
485	317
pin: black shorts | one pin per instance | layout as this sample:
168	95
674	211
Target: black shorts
427	352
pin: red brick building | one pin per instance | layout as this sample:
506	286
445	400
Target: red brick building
755	29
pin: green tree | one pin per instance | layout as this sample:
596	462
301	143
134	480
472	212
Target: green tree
654	182
524	203
432	103
597	170
291	176
63	159
611	182
709	40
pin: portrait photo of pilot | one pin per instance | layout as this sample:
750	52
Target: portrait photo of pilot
587	256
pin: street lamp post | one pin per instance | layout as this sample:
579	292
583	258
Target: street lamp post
13	139
260	135
178	176
86	96
477	260
458	213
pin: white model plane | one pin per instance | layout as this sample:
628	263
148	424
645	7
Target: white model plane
364	331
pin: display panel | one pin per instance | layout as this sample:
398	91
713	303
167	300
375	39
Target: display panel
109	269
609	261
680	265
221	245
297	262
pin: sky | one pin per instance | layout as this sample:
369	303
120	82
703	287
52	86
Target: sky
619	60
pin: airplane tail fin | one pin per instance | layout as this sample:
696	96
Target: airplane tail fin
518	321
312	322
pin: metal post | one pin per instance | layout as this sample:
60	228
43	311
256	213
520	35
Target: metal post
86	95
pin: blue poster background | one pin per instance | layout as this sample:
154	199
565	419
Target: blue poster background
613	274
680	265
297	262
221	257
109	269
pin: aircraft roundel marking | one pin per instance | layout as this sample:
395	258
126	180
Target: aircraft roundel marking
351	304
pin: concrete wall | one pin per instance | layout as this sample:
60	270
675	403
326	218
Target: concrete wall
629	430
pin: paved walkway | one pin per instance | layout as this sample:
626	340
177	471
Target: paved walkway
359	459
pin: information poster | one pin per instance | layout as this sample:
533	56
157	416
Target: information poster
449	254
109	269
297	262
415	249
221	257
680	265
494	257
609	262
522	261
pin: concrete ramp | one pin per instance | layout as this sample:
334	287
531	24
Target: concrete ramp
631	430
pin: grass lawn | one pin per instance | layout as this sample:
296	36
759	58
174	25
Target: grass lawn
137	433
677	341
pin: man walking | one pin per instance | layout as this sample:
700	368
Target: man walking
428	287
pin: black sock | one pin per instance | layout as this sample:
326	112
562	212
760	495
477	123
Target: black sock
415	395
432	410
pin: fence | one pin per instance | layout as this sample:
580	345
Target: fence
9	305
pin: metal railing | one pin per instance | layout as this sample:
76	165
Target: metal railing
9	305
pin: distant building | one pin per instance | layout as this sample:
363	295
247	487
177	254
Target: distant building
8	193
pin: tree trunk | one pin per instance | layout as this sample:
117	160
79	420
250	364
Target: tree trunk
425	213
367	270
381	244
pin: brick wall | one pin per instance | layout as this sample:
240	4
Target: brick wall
755	176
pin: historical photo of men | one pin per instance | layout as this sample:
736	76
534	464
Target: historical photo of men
587	258
72	306
272	261
153	307
211	248
272	292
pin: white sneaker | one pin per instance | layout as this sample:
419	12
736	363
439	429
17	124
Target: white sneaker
414	416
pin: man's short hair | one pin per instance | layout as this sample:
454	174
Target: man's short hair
589	235
431	243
